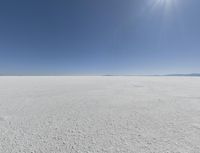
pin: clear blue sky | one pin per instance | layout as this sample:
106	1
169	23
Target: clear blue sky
99	37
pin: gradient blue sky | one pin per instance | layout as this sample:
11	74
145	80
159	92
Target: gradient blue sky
87	37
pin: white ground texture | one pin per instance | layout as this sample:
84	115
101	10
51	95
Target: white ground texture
99	114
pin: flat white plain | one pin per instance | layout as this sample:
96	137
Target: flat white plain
97	114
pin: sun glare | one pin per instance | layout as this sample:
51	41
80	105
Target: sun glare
165	3
166	6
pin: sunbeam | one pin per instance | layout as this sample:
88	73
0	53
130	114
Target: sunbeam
166	5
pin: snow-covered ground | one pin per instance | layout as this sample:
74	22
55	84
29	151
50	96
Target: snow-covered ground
99	115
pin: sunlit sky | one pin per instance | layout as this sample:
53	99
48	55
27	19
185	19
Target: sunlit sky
96	37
